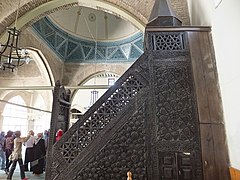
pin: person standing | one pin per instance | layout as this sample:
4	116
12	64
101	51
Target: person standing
16	155
8	148
39	154
2	150
46	138
29	151
59	134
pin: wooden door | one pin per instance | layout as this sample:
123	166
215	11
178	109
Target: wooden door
176	166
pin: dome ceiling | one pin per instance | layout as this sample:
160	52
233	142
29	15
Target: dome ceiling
92	24
84	35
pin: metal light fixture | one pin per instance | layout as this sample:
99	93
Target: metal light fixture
94	97
94	93
11	55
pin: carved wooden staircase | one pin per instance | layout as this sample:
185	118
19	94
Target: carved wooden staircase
107	130
145	123
149	122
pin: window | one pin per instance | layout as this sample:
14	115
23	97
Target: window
14	116
111	81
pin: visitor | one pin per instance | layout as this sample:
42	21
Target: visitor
2	150
29	151
46	137
16	155
59	134
39	155
8	149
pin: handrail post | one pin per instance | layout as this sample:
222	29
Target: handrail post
129	175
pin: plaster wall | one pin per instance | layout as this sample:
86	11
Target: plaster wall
55	69
225	27
76	74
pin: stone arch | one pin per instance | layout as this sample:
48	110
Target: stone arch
75	96
28	98
79	73
43	65
91	75
8	95
45	78
31	11
5	102
95	74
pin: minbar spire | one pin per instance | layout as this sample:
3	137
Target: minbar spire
163	15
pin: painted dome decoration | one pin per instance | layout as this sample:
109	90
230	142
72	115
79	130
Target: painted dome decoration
80	45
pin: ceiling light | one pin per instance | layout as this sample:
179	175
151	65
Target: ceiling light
11	55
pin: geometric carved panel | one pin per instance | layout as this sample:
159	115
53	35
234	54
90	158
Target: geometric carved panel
101	117
125	151
176	118
160	143
168	42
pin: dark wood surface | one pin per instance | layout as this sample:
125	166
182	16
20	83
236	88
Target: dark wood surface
164	111
205	77
213	137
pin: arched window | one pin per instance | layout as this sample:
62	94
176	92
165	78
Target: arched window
14	116
85	98
39	119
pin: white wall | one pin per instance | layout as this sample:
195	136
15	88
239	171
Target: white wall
225	22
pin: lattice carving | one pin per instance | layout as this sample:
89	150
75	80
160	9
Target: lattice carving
55	166
92	126
110	139
168	42
177	123
125	151
176	118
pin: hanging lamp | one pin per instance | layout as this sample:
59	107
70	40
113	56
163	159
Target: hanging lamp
11	55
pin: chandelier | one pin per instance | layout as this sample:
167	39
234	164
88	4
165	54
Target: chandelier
11	55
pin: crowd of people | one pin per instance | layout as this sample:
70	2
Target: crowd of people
11	152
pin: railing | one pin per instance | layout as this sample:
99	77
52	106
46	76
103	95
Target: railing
129	175
65	154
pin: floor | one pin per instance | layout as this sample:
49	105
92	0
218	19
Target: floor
16	175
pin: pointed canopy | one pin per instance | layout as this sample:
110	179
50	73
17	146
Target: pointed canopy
163	15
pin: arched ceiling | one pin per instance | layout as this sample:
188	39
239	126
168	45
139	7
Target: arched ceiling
92	24
28	13
86	35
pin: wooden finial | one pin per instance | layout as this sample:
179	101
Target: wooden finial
129	175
